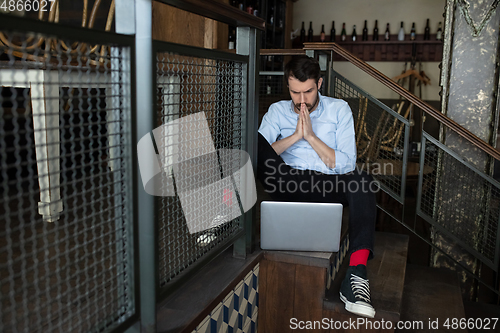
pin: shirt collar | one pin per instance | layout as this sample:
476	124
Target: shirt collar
319	110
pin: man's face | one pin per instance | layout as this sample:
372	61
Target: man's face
304	93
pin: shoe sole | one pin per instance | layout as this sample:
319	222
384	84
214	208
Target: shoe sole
360	310
205	239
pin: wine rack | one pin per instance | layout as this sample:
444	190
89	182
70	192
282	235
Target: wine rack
391	50
274	36
277	15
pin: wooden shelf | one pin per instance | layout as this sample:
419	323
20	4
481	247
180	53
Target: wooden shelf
392	50
275	36
291	52
389	42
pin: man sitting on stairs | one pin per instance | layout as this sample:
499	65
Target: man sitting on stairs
308	145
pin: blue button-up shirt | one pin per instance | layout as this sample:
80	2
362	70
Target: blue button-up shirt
332	122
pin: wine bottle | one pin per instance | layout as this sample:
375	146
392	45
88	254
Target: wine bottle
249	7
413	33
322	36
231	39
439	33
365	32
387	35
271	15
401	34
343	34
427	31
354	35
234	3
310	32
332	32
303	33
256	11
375	31
240	5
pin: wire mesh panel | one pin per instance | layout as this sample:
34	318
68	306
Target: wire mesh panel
380	135
272	89
462	202
66	203
208	95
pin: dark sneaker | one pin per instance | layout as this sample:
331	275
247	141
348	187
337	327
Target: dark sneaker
210	235
206	238
355	292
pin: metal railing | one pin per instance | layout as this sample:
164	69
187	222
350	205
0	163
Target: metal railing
462	203
429	110
458	201
66	195
382	134
455	200
191	80
178	82
77	233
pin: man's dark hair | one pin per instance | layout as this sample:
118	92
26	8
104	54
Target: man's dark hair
302	68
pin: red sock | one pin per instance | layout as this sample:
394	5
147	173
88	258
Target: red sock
359	257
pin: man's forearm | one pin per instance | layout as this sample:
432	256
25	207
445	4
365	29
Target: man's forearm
324	152
281	145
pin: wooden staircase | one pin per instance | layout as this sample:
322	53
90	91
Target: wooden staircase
293	285
433	296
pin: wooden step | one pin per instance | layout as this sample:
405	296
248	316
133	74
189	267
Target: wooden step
432	294
486	317
386	272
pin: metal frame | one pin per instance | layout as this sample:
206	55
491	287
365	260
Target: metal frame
145	99
24	25
275	73
445	122
426	137
429	220
462	160
21	24
246	53
248	45
242	239
399	197
144	254
370	97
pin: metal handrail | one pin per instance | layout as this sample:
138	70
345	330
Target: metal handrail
485	259
440	117
388	82
282	52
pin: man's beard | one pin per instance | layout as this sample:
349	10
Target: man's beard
308	106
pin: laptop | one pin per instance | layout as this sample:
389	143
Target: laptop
300	226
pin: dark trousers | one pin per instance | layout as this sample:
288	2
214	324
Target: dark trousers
355	189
